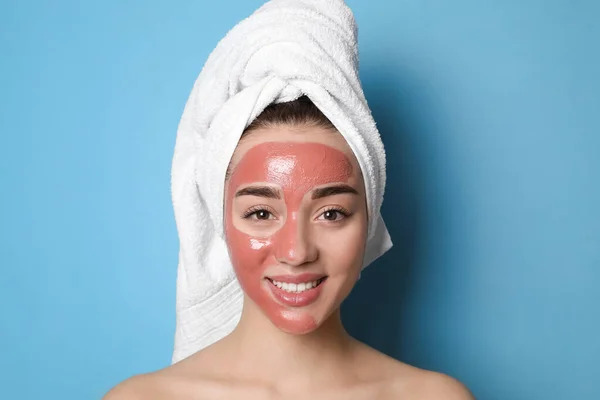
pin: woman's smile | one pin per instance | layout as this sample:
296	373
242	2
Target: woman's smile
295	294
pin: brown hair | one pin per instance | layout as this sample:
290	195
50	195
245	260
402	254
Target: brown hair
299	112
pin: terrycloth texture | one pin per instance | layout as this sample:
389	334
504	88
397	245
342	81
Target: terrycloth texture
285	49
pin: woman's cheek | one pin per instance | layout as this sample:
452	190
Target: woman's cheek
342	249
248	257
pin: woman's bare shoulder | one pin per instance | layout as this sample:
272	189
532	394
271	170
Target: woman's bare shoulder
157	385
179	380
421	384
134	388
406	381
430	385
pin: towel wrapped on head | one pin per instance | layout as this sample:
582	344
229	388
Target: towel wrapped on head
285	49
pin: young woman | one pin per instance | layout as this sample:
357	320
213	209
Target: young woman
295	218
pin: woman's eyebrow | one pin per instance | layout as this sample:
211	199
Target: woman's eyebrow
332	190
260	191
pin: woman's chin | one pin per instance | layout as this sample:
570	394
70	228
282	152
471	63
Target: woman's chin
299	322
295	322
298	331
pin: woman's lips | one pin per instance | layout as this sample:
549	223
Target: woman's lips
305	277
300	298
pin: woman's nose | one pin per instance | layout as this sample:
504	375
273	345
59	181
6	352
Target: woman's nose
293	244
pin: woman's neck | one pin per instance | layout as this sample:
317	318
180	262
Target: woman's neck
258	350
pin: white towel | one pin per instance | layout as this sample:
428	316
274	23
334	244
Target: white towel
285	49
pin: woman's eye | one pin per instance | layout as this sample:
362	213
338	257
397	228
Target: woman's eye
261	215
332	215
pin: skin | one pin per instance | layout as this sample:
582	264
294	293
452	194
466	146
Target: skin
280	351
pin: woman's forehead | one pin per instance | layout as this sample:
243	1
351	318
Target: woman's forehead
301	166
299	140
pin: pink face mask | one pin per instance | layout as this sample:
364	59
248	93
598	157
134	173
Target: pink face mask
273	248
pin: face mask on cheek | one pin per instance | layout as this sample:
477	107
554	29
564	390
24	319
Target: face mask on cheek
250	258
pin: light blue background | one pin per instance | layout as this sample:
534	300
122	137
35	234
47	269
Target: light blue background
490	114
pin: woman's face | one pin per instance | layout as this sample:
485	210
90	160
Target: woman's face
295	222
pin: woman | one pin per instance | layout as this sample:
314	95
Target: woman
292	210
295	188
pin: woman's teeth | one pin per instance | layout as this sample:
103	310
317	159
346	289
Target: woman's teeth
297	288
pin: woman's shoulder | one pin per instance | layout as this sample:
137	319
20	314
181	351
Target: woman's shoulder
406	381
179	380
428	385
157	385
136	387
